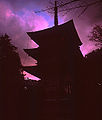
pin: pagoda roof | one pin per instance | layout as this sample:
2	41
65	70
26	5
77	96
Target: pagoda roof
66	29
38	53
34	52
34	70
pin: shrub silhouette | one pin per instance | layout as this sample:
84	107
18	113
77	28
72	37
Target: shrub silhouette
11	80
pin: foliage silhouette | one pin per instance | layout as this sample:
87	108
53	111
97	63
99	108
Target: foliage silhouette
96	35
94	83
12	80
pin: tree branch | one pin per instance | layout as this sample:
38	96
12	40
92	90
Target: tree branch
62	4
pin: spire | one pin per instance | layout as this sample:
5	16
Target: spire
56	14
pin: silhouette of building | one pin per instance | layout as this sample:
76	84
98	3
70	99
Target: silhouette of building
59	58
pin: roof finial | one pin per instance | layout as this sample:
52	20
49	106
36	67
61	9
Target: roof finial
56	14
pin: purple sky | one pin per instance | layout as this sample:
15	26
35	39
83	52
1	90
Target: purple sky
17	17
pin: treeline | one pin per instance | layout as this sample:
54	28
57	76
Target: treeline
12	94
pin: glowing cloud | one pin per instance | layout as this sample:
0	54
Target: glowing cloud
29	76
16	25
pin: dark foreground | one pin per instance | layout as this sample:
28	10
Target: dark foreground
53	109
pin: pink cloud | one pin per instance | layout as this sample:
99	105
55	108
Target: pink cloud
29	76
87	48
16	26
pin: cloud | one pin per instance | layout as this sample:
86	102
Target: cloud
28	75
16	26
18	17
85	23
17	5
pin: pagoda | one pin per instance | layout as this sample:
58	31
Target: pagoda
58	56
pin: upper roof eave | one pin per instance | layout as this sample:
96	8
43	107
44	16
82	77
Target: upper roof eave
49	29
37	35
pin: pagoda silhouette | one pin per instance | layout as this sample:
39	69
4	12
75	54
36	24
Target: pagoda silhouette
59	58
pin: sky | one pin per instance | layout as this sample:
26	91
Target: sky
18	17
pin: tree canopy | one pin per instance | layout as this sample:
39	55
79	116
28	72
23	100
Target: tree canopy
9	60
11	79
96	35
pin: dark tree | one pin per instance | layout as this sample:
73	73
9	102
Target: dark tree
94	81
96	35
11	79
